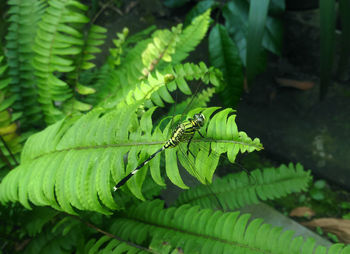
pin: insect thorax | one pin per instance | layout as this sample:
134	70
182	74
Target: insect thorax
182	132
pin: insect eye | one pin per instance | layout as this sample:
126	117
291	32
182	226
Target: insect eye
199	118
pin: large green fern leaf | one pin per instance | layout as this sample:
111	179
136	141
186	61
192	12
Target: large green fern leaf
194	230
57	39
75	162
23	19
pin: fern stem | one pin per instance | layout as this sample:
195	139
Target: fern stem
97	15
9	151
146	71
5	160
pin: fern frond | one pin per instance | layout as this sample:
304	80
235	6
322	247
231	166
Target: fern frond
37	218
23	19
57	38
191	37
8	127
115	57
138	64
118	82
195	230
55	241
76	162
156	88
107	244
95	37
140	36
237	190
165	45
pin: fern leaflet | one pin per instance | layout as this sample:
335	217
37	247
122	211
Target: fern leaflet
237	190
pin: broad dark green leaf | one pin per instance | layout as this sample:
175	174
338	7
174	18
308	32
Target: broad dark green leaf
175	3
200	8
344	7
277	7
257	19
223	54
272	39
236	21
327	25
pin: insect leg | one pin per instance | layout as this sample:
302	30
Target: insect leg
188	146
200	133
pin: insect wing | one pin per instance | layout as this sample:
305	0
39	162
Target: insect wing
188	162
154	166
133	185
172	169
198	161
206	161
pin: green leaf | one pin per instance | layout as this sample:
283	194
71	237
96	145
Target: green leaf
344	60
320	184
69	164
194	230
317	194
277	7
327	26
5	104
191	36
236	23
256	25
175	3
84	90
23	16
4	83
237	190
198	9
58	39
272	39
173	170
223	54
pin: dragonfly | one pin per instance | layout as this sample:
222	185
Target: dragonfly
184	132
